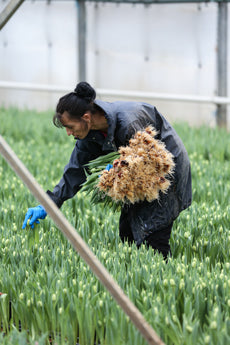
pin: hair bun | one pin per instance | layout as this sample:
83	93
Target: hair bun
85	91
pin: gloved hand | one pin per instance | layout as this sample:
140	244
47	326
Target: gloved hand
108	167
35	213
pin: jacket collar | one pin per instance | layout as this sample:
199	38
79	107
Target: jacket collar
111	117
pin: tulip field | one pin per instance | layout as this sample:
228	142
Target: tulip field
48	295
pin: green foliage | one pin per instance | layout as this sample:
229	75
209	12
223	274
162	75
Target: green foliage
50	293
95	168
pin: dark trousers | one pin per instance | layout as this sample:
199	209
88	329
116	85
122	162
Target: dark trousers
158	240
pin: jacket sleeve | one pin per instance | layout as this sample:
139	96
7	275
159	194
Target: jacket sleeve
73	176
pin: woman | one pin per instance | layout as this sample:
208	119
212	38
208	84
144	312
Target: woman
102	127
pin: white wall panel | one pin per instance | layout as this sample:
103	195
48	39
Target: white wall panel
155	48
165	48
38	45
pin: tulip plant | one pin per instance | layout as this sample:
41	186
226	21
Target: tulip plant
48	295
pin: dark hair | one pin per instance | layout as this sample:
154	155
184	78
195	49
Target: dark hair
76	103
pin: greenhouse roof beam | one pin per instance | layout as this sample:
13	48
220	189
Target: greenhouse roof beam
148	2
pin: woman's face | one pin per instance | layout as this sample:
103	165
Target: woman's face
78	128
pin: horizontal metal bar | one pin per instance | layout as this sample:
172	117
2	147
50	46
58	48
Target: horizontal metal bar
144	2
118	93
132	1
147	2
165	96
33	87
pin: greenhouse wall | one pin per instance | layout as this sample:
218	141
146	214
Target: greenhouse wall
159	48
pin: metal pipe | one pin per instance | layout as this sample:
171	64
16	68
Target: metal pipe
33	87
165	96
222	62
81	40
118	93
8	11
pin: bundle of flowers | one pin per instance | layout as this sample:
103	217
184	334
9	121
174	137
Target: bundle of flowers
139	171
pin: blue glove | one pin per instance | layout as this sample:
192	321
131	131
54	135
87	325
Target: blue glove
108	167
35	213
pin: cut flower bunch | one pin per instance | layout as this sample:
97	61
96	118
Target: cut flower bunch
139	172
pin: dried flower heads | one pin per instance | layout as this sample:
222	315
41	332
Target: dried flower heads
141	171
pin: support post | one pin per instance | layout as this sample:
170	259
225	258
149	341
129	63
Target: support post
8	11
221	118
81	40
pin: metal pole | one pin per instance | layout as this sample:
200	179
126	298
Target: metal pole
81	40
150	96
80	246
8	11
222	62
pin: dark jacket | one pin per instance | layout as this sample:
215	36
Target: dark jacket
124	119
